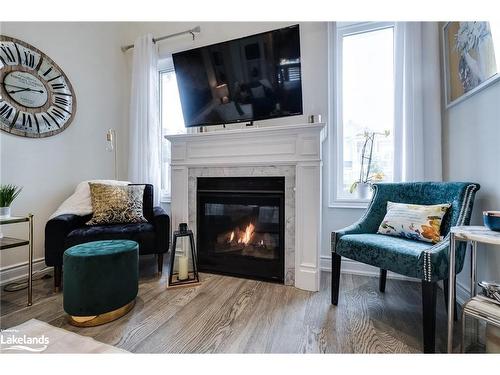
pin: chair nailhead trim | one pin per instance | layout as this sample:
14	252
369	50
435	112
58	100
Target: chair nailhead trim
464	211
333	241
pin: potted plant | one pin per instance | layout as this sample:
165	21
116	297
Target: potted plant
7	195
366	175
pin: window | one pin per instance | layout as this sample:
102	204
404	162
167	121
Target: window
172	122
364	107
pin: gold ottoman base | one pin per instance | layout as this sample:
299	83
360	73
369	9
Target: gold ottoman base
96	320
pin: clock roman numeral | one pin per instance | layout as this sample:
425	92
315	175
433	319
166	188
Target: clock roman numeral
10	56
53	119
29	59
57	113
18	54
37	124
47	121
47	72
62	109
27	120
14	120
56	77
57	86
5	110
62	101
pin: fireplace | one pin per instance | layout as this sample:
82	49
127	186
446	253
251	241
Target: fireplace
240	226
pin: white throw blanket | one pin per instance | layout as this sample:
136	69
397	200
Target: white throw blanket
79	203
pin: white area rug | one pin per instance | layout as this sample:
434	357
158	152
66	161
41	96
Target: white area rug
34	336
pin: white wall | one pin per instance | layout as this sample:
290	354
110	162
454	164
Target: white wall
49	168
471	139
314	55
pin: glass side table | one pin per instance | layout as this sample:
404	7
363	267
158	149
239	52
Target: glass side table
11	242
474	235
482	308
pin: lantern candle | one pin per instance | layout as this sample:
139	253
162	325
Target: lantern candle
183	267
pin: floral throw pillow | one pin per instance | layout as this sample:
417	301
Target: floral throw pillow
114	204
413	221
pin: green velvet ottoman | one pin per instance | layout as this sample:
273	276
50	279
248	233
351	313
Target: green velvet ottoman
100	281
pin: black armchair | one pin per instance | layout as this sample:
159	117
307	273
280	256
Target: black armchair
65	231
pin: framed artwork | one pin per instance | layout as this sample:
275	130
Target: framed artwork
469	59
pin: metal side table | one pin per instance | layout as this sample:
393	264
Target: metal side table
11	242
472	234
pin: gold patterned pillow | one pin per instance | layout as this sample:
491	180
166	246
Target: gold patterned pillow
114	204
414	221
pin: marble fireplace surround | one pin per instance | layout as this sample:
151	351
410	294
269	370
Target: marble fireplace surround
280	170
290	151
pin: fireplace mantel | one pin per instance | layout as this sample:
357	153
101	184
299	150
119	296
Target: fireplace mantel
224	152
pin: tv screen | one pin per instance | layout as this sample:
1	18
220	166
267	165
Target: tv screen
252	78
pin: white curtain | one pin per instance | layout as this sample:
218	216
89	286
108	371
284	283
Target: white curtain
417	133
145	128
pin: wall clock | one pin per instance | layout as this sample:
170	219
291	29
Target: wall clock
36	97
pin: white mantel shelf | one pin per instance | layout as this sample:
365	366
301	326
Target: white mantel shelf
268	129
298	146
276	145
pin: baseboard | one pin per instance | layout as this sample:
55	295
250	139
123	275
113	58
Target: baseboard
307	278
357	268
20	270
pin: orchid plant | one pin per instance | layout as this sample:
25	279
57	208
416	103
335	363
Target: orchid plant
365	173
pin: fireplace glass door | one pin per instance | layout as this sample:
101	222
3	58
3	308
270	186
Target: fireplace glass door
240	227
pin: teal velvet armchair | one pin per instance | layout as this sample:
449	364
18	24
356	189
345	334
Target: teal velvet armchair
422	260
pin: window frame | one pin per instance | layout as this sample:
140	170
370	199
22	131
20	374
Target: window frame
336	31
164	66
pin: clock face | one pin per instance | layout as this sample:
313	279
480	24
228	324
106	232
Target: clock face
26	89
36	97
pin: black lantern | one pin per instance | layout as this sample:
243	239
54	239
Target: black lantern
183	239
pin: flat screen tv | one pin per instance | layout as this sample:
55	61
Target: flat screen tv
243	80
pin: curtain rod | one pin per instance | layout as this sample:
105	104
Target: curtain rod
193	31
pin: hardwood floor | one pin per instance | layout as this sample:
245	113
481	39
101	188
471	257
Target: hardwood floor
232	315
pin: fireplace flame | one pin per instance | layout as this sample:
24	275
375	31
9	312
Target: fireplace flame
244	237
248	233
